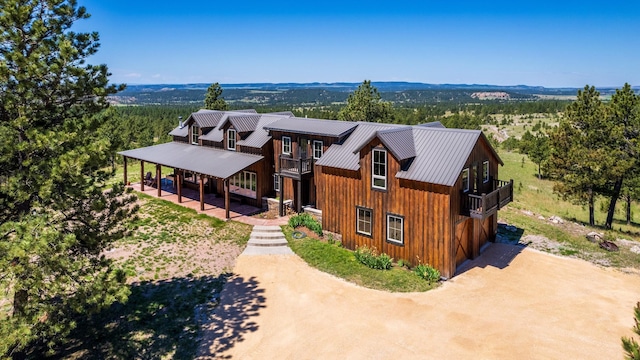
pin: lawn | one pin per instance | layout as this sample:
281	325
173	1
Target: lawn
340	262
177	262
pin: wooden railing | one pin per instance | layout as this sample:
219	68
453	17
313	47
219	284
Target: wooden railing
484	205
295	167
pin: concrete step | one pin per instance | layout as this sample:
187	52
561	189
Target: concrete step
263	242
267	250
267	235
267	228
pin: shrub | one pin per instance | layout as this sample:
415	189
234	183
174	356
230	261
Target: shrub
403	263
427	272
307	221
369	257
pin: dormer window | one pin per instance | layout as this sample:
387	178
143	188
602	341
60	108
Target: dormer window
231	139
379	169
195	134
465	180
286	145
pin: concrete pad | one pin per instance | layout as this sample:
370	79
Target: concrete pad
511	303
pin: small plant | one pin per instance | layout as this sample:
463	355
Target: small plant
630	345
427	272
307	221
403	263
369	257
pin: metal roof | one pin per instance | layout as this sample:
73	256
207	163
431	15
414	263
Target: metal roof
436	124
180	131
442	154
206	118
399	142
260	136
284	113
199	159
343	156
243	123
333	128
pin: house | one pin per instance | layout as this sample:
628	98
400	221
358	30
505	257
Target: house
421	193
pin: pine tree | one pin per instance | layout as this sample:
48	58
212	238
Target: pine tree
56	217
365	104
213	100
630	345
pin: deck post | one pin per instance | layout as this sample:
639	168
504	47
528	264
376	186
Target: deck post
125	170
141	175
201	192
281	204
226	198
179	185
511	190
299	200
159	179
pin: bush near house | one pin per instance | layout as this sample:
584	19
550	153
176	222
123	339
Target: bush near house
371	258
427	272
307	221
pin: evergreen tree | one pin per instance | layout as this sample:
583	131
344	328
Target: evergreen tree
580	155
539	151
56	217
630	345
213	99
365	104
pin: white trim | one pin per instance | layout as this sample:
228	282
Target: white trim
195	134
321	149
244	183
485	176
229	139
370	222
465	188
284	143
397	241
375	176
276	182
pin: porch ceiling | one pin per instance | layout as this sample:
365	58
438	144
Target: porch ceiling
202	160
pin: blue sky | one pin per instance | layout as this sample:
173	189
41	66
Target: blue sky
547	43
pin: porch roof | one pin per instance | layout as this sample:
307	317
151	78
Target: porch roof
198	159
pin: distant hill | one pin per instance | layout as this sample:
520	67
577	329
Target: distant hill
270	94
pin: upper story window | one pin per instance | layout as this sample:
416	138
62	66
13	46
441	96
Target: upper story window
317	149
286	145
379	169
485	172
465	180
231	139
195	134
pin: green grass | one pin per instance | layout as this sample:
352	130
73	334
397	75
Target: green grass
133	171
342	263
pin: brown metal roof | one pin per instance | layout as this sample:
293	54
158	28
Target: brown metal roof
199	159
260	136
182	131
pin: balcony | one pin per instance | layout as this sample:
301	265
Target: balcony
295	168
484	205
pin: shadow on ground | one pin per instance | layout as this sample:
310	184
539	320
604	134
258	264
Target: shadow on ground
162	320
241	300
499	254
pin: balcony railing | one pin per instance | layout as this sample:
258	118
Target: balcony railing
484	205
295	168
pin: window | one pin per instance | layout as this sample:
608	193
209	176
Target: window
276	182
395	228
379	169
231	139
317	149
243	183
286	145
485	172
365	221
465	180
195	134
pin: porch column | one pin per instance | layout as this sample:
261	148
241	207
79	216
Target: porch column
141	175
179	185
125	170
201	192
281	205
475	243
158	179
226	198
299	200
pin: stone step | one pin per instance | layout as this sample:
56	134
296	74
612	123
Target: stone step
267	235
267	228
266	242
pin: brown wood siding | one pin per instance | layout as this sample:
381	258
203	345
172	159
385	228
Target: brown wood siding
425	208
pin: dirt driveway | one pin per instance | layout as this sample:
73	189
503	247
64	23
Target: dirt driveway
509	304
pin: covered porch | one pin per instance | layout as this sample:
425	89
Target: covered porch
202	164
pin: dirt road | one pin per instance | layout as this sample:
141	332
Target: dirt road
509	304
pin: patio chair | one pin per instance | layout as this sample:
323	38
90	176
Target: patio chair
147	179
